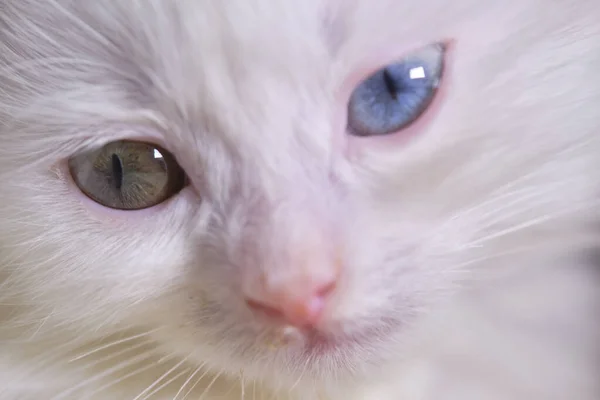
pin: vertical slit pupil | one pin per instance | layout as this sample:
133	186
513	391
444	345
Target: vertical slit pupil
117	169
390	84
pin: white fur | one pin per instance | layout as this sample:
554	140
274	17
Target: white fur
474	244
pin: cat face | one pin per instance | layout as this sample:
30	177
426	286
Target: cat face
167	166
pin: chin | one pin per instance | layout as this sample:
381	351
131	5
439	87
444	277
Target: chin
328	354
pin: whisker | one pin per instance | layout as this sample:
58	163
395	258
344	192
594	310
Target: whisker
243	386
113	355
304	369
165	384
187	381
524	225
104	374
207	389
112	344
196	383
174	368
124	377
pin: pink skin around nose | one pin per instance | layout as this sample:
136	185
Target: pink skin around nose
286	306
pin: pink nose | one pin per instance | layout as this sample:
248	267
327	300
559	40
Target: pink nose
302	310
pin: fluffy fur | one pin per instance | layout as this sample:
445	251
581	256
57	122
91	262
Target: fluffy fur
470	252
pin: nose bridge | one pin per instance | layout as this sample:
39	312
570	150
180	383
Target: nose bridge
292	193
292	238
292	204
301	235
299	266
294	248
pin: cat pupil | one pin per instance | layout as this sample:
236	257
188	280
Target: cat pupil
390	84
117	170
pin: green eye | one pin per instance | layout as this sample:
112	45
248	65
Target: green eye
128	175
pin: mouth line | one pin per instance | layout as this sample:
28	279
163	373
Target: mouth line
318	342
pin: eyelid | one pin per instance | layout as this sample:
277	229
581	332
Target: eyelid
432	56
435	53
148	128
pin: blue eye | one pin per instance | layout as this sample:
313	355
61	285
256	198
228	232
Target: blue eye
395	96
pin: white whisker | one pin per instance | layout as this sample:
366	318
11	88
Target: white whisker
523	225
196	383
207	389
187	381
165	384
302	372
123	378
112	344
113	355
243	386
105	373
174	368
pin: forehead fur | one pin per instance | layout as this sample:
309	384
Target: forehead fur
256	81
181	56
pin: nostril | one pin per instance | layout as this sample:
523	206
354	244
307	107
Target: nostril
269	311
326	290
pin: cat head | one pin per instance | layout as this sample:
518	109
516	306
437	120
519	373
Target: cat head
222	176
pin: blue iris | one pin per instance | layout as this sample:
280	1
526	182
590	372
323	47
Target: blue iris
391	98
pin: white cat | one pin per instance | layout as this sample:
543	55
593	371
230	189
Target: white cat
252	199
